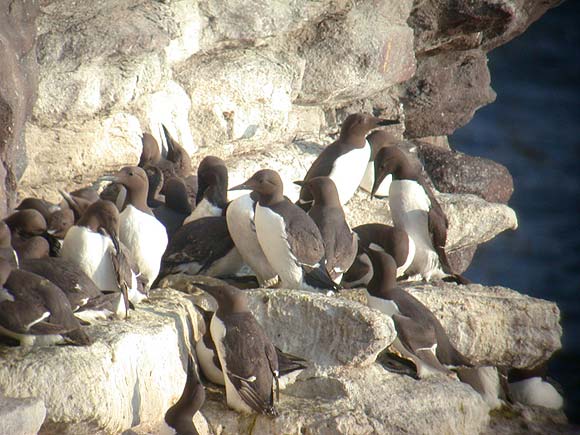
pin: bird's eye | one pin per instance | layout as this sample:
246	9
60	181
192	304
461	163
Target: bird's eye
131	173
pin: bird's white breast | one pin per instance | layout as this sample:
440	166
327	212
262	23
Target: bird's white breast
536	392
205	357
410	206
240	219
348	171
146	239
369	179
203	209
383	305
271	232
92	252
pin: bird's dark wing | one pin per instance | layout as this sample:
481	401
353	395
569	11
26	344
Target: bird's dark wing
249	363
438	225
202	241
302	234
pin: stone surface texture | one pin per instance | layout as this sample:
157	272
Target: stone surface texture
242	77
455	172
132	373
18	84
21	416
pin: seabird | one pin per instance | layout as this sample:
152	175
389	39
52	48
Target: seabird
139	229
176	207
202	247
340	243
28	233
530	387
34	311
420	336
86	299
247	356
288	236
378	139
415	209
7	252
393	241
206	352
176	163
150	154
240	216
45	208
209	362
156	184
212	189
180	415
417	338
346	159
93	243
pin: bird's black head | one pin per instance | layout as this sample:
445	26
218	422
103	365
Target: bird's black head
267	184
391	160
384	272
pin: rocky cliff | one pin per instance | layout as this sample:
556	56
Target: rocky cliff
264	84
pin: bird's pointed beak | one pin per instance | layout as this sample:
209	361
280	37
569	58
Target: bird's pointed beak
246	185
111	178
385	122
299	183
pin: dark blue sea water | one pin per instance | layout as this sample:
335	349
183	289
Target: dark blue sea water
533	128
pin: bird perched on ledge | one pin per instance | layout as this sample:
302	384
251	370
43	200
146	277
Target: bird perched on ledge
247	356
346	159
288	236
415	209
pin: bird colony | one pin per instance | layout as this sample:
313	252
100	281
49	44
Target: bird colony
97	254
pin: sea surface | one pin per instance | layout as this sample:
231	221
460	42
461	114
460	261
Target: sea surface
533	128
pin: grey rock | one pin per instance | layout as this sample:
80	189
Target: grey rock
460	259
455	172
324	330
130	375
21	416
517	419
445	26
225	110
18	84
369	400
356	55
494	325
244	23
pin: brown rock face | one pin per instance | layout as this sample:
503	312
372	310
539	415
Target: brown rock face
452	39
455	172
439	100
18	83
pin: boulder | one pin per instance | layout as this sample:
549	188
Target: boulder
494	325
369	400
21	416
326	331
439	100
455	172
131	374
358	54
234	118
18	84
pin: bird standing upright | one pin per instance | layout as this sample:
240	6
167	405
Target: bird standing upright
415	209
346	159
288	236
340	243
246	354
144	236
